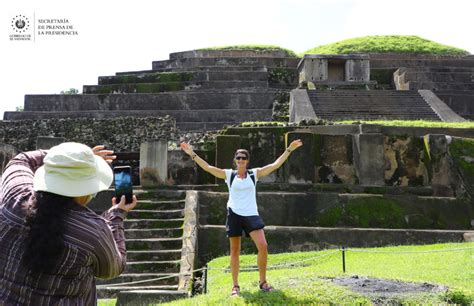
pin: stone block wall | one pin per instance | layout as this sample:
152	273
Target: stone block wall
120	134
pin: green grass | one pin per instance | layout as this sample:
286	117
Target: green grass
258	48
414	123
387	44
308	284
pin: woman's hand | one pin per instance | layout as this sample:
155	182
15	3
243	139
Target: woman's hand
107	155
122	205
186	147
295	144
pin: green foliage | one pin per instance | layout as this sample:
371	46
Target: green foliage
70	91
257	48
387	44
19	108
309	283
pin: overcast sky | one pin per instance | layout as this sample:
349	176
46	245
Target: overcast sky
128	35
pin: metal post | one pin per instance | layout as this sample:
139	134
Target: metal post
344	259
205	279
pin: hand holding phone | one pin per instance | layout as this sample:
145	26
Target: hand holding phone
123	183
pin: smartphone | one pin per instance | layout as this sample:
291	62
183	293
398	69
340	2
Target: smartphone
123	183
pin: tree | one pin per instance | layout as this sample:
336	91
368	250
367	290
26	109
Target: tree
70	91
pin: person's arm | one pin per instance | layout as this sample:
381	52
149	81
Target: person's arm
264	171
17	179
111	251
217	172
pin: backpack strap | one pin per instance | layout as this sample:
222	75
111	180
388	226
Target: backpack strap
232	177
252	176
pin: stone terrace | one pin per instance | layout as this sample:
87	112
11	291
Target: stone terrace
201	89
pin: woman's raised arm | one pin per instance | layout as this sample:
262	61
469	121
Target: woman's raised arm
264	171
217	172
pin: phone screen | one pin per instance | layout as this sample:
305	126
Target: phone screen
123	183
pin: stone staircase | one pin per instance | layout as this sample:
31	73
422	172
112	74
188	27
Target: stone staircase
370	105
200	89
154	243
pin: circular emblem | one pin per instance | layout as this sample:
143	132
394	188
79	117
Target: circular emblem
20	23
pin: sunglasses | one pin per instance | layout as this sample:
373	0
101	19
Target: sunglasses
241	157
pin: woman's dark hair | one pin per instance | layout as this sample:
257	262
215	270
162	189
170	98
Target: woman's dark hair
45	241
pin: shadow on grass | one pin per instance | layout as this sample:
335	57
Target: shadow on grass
268	298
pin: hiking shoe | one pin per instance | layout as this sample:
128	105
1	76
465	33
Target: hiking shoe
235	291
265	287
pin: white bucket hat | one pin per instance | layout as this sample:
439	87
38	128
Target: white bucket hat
72	169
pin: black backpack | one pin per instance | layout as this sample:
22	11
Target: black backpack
234	174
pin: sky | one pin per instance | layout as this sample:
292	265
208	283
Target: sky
114	36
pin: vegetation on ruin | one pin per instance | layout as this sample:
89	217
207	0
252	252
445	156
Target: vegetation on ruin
414	123
310	283
386	44
257	48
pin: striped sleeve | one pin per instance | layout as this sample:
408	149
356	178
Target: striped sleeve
110	251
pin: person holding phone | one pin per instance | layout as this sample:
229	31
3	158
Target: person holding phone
242	212
52	247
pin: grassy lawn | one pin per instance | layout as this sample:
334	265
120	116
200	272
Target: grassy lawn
386	44
415	123
309	283
257	48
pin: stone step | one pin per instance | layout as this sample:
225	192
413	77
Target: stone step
459	77
111	292
167	266
153	223
298	238
331	117
227	61
153	244
158	255
148	297
170	86
154	233
155	214
440	85
161	204
442	69
199	68
196	76
171	279
209	115
179	100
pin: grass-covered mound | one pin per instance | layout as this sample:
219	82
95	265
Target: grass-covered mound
257	48
387	44
414	123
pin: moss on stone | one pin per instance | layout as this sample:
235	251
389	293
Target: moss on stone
285	76
375	212
462	152
331	217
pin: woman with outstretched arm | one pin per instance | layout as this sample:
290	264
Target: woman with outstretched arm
242	212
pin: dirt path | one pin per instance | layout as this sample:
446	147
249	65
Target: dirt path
385	291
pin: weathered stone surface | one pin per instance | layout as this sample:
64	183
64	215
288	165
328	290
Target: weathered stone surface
226	145
405	161
301	165
45	142
335	162
441	177
7	152
153	163
190	242
300	106
120	134
369	159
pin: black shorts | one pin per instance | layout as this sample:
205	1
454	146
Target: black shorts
236	224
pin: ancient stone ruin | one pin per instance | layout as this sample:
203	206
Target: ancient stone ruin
355	185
